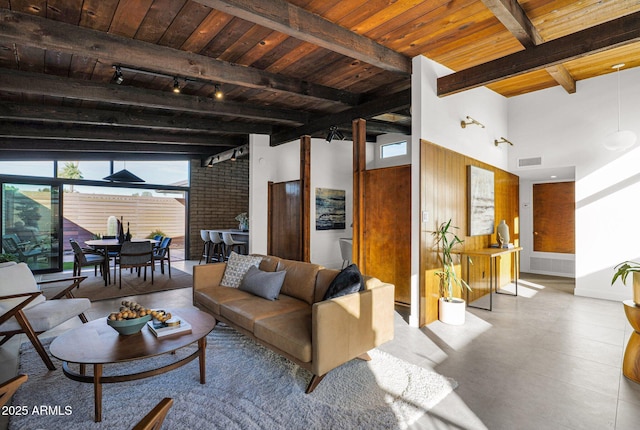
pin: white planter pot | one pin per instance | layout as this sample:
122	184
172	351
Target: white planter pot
451	312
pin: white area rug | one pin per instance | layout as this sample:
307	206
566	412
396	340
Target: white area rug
248	387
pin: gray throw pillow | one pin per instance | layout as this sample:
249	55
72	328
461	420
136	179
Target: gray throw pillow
263	284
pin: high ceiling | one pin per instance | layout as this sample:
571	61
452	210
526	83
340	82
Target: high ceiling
286	68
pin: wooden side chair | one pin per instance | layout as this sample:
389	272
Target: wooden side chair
85	257
9	387
23	308
154	419
136	255
162	254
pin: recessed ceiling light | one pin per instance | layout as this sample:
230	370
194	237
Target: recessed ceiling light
553	176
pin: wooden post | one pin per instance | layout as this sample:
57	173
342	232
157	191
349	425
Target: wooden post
359	127
305	183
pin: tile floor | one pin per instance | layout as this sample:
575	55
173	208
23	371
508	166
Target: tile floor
543	360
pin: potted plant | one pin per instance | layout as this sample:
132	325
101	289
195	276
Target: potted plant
243	219
622	271
5	258
451	309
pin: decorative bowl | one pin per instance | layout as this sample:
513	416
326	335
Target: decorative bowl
130	326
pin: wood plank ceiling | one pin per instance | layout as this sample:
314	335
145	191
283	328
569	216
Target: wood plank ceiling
286	68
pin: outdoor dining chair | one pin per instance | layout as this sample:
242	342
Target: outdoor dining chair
12	246
135	255
24	309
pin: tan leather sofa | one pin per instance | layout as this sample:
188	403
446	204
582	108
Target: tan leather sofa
317	335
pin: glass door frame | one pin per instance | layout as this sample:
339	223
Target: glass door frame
43	182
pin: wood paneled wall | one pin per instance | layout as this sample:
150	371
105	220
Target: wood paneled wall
387	228
443	196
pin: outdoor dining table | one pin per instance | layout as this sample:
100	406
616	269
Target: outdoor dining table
113	245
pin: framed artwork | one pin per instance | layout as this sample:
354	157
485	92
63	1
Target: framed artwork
330	209
481	201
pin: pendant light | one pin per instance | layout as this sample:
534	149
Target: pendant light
123	176
621	139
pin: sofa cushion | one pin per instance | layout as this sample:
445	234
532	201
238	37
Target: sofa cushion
245	313
237	266
289	332
263	284
348	281
300	280
323	280
269	263
17	279
212	297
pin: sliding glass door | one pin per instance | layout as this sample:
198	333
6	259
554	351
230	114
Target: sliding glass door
31	215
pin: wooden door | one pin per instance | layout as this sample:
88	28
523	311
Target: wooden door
387	228
554	217
285	208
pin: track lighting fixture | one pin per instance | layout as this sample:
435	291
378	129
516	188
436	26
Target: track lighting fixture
176	86
118	78
218	94
502	140
233	156
470	121
334	133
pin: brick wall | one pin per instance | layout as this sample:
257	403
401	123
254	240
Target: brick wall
218	195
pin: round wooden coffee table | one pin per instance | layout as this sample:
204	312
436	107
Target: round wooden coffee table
97	344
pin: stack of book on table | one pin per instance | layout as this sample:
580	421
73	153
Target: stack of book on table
176	325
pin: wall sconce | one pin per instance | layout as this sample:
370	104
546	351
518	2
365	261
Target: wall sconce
470	121
502	140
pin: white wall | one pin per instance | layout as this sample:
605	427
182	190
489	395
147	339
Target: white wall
331	167
568	130
437	120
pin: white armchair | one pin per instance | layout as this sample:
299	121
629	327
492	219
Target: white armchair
24	309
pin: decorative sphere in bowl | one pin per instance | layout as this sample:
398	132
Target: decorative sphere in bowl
129	326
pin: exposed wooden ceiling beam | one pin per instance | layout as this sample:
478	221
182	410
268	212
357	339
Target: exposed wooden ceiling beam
53	35
54	86
390	103
612	34
84	148
297	22
113	134
115	118
514	18
379	127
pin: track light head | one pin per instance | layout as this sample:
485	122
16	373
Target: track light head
176	86
218	94
332	133
233	156
118	78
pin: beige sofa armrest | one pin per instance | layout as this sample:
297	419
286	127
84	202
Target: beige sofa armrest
346	327
208	275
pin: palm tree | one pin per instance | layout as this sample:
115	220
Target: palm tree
70	171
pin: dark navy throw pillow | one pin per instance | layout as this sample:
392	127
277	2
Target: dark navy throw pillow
348	281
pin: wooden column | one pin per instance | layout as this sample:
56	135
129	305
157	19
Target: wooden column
305	182
359	166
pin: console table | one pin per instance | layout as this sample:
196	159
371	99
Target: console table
492	254
631	362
